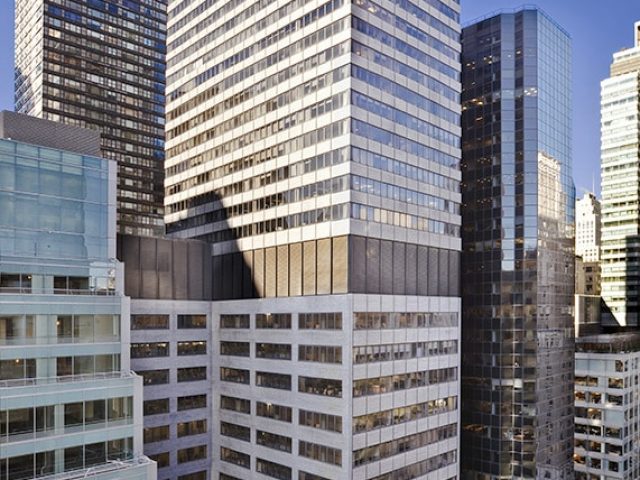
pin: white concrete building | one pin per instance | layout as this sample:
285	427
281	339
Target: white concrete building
620	177
607	399
588	228
316	145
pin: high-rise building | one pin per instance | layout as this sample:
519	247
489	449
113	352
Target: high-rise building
518	249
588	228
100	64
69	405
620	104
316	145
607	398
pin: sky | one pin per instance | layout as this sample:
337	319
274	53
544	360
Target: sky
597	28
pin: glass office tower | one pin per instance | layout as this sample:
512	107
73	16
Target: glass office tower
316	144
518	260
100	64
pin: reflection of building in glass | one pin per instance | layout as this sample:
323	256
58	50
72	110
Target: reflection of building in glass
100	64
518	259
607	398
317	146
620	154
68	401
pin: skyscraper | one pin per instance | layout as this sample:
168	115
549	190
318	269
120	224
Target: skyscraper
69	405
100	64
588	242
621	186
518	250
316	144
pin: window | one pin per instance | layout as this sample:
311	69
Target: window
191	454
273	380
156	434
236	431
309	476
320	453
234	375
149	350
320	321
277	412
162	459
273	320
194	427
192	374
320	386
192	402
276	351
154	377
17	369
241	405
319	353
155	407
192	321
236	349
237	458
149	322
323	421
274	470
234	321
272	440
192	348
201	475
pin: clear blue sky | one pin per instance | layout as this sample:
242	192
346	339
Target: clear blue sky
598	28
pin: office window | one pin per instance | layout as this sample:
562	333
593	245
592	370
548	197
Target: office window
163	459
237	458
236	431
309	476
270	410
192	402
320	353
234	375
201	475
320	321
323	421
192	348
192	374
154	377
155	407
234	321
235	349
321	453
194	427
241	405
149	350
277	351
273	380
273	320
191	454
272	469
320	386
272	440
192	321
156	434
149	322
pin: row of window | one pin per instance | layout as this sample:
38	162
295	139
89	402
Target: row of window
282	351
161	322
306	321
403	351
392	320
404	381
161	405
422	468
61	328
184	429
281	381
20	368
161	349
161	377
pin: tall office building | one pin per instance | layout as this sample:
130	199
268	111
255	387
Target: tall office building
588	235
518	249
316	144
620	105
100	64
69	405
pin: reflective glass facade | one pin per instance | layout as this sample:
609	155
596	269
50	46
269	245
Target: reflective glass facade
518	260
100	64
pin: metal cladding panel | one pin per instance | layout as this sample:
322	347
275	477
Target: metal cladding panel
340	263
386	267
196	273
323	286
373	265
411	269
270	272
130	255
258	272
283	271
227	283
295	269
180	279
218	278
164	265
358	264
454	273
207	268
247	282
309	268
443	272
237	267
399	270
148	266
434	273
423	270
